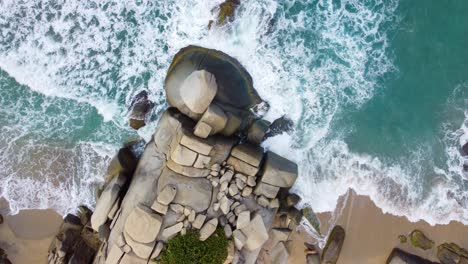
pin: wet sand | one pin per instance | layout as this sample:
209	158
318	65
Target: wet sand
371	235
26	236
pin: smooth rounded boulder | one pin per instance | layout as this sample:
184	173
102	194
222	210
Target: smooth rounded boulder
142	224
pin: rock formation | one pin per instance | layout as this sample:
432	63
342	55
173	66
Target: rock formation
399	256
451	253
202	169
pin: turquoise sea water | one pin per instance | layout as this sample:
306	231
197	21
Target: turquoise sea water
378	91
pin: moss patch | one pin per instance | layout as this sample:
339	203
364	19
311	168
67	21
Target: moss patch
418	239
188	249
402	238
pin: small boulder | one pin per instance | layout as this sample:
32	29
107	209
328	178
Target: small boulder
159	207
242	167
106	201
202	129
418	239
243	219
199	221
279	126
208	229
228	231
167	194
247	191
139	109
170	232
251	181
197	144
239	239
332	249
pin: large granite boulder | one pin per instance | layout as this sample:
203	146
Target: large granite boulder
235	94
332	249
279	171
399	256
142	224
106	201
196	92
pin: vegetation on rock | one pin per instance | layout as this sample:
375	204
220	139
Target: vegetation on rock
185	249
310	216
402	238
418	239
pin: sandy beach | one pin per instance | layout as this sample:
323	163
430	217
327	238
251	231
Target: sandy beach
371	235
26	236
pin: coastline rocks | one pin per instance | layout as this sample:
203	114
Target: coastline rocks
235	94
451	253
332	249
279	126
419	240
255	233
279	171
142	225
214	118
106	201
226	12
399	256
167	195
139	109
311	217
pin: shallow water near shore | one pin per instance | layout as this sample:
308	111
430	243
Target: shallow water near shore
377	90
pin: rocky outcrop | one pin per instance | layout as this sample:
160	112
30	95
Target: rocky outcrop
203	169
76	242
140	108
399	256
332	249
419	240
451	253
225	13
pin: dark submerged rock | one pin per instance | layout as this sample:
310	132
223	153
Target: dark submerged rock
141	106
227	12
279	126
464	149
418	239
332	249
399	256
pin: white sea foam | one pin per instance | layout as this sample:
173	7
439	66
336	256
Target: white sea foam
316	59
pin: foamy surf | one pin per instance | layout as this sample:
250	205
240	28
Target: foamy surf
308	60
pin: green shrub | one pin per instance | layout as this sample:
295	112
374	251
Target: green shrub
188	249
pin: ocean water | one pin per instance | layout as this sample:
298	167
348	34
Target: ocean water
378	91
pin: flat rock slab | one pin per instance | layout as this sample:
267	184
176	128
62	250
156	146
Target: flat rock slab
191	192
143	224
332	249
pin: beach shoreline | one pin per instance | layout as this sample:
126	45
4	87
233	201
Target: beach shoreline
370	234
